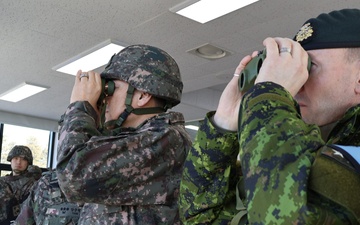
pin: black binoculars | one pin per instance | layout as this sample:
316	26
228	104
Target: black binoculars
251	70
107	89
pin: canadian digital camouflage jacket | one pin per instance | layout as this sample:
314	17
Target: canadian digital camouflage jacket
47	205
287	168
16	191
130	176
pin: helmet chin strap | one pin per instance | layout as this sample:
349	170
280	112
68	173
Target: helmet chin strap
112	124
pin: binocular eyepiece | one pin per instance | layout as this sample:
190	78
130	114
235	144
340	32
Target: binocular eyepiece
107	89
251	70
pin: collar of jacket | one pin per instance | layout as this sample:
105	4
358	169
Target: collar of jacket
347	130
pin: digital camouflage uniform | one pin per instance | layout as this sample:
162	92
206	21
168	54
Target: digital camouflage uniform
126	175
22	184
289	174
19	185
277	152
6	196
47	205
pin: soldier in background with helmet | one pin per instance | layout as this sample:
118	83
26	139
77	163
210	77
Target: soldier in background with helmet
20	180
47	205
20	157
129	172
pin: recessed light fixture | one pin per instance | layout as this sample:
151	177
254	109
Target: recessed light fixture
192	127
204	11
209	51
90	59
21	92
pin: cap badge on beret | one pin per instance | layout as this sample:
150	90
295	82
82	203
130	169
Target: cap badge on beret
305	32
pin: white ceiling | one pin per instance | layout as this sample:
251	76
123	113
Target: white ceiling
37	35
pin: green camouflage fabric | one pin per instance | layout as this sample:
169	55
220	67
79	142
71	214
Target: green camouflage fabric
147	69
277	151
20	187
47	205
128	176
207	192
21	150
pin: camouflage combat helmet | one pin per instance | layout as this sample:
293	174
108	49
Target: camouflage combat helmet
149	69
21	150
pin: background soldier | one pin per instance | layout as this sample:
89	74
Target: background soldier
21	179
47	205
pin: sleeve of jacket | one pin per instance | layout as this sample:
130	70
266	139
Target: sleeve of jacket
136	168
276	149
26	216
207	190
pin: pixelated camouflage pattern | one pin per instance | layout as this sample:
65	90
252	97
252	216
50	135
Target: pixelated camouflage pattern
47	205
20	187
6	195
34	171
277	152
130	176
22	184
21	150
148	69
207	191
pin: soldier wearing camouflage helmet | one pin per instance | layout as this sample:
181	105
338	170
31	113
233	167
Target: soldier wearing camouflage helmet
47	205
20	157
296	132
20	180
124	159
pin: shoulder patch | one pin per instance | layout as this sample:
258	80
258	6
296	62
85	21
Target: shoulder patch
350	153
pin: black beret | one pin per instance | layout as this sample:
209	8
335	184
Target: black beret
337	29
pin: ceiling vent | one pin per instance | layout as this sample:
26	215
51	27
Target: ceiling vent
209	51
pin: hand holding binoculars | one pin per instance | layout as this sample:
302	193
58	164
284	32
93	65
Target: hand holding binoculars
251	70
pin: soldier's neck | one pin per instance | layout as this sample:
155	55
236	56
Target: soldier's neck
326	129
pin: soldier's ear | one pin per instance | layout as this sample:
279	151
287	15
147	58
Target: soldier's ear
357	85
143	98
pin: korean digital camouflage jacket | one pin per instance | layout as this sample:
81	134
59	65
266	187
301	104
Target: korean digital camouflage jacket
128	176
47	205
16	191
280	157
6	197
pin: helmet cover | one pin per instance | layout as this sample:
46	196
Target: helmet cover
21	150
147	69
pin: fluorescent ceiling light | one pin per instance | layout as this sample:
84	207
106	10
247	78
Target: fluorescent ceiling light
90	59
21	92
204	11
192	127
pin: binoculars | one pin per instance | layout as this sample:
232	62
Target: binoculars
251	70
107	89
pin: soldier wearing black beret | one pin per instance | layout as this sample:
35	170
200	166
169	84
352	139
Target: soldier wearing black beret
298	135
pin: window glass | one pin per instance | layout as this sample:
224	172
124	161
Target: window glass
3	173
37	140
